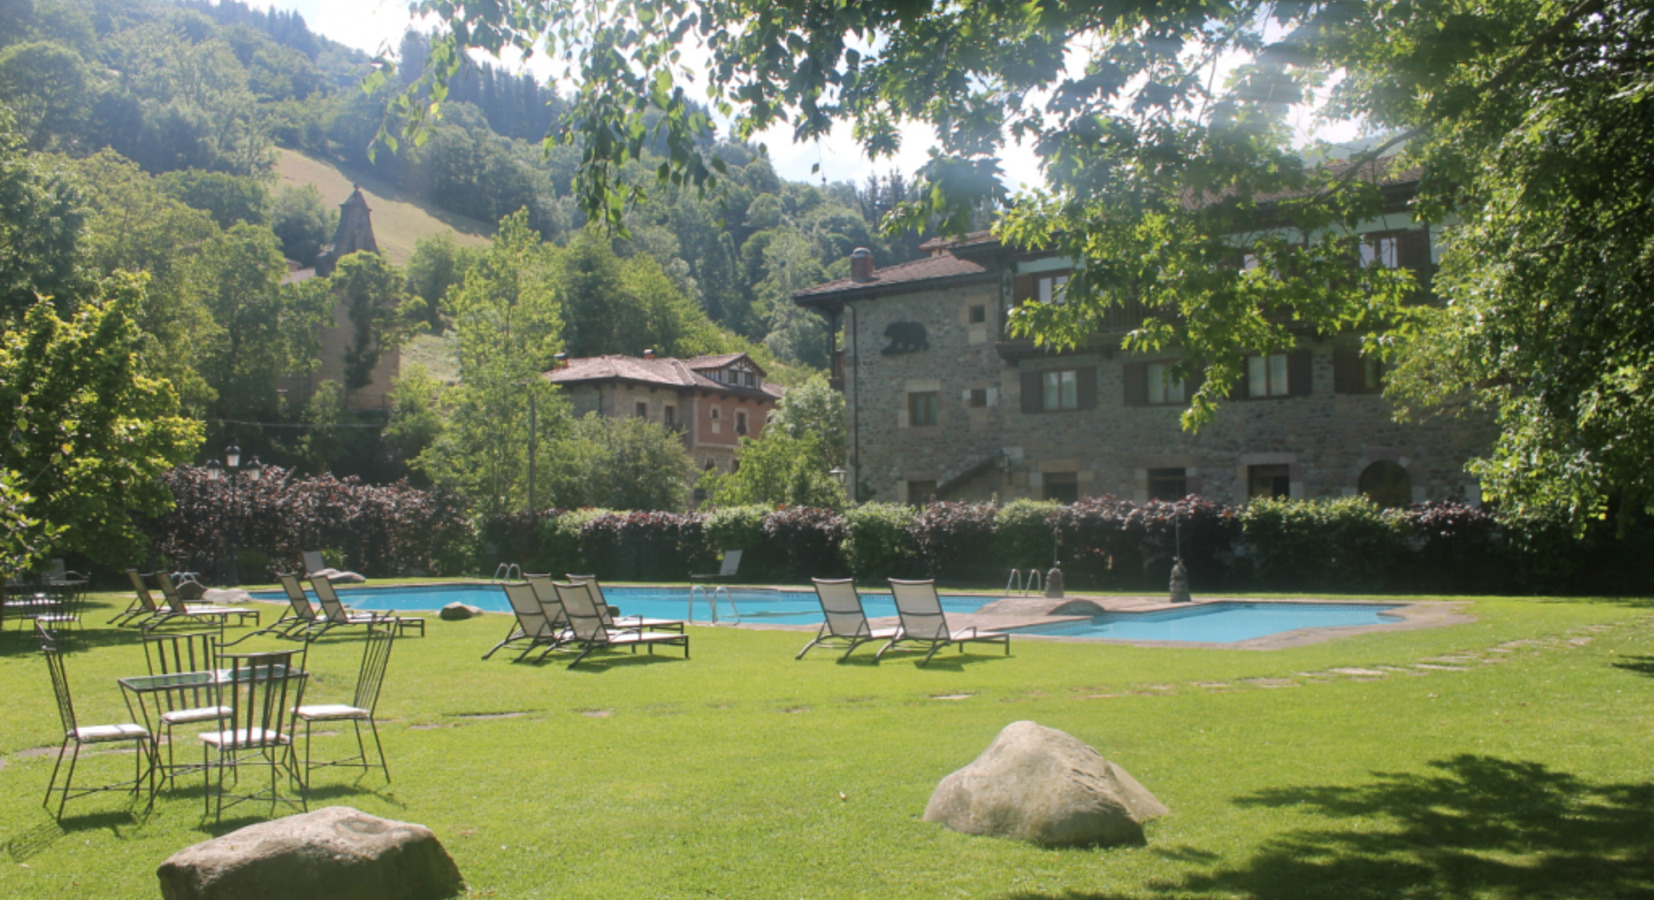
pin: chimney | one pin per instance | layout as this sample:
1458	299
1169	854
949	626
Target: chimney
861	264
560	361
649	353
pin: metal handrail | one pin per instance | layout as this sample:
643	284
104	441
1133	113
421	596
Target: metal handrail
502	572
711	601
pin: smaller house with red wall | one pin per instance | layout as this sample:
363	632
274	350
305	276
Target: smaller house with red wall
712	401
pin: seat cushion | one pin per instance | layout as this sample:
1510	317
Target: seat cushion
332	711
243	737
199	714
91	734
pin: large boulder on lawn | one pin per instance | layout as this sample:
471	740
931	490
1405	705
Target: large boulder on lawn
190	589
337	853
226	597
459	612
1044	786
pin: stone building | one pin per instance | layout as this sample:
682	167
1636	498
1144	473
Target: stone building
354	234
942	404
712	401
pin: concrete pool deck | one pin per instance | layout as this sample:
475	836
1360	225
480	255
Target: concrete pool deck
1011	613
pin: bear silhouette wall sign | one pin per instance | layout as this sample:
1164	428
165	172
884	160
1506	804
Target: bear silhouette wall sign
905	337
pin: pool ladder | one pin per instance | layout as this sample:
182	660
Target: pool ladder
710	598
502	572
1025	584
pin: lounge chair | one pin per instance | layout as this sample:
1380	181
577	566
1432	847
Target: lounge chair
178	609
589	633
315	567
924	622
142	606
301	620
537	623
845	620
634	623
726	570
336	614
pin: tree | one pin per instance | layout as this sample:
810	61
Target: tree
302	222
1165	130
372	289
227	198
40	226
813	408
90	432
438	265
509	326
626	463
46	85
777	470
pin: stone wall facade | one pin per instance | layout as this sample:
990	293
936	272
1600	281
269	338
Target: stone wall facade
708	421
985	442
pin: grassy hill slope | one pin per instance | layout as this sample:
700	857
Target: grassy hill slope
400	220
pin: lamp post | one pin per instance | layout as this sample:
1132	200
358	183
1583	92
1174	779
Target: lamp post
838	474
232	470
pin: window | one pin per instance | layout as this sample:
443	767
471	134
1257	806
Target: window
1269	481
1387	484
978	314
1266	376
1063	487
740	422
734	466
1060	389
1163	387
700	496
1353	373
921	492
1168	484
641	410
669	416
924	408
978	397
1382	252
1250	261
710	465
1052	289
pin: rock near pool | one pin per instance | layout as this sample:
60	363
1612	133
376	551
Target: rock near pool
1046	787
459	612
337	853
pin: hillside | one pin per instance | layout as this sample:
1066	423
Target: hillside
400	220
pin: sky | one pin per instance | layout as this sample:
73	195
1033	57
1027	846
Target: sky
376	26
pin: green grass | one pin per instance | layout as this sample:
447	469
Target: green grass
400	220
1504	758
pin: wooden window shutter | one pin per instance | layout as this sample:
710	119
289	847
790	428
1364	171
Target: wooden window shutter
1024	287
1135	378
1346	371
1085	394
1032	400
1300	374
1241	389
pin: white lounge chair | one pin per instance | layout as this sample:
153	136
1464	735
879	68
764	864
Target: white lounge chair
590	633
538	623
845	620
607	612
924	622
316	567
178	609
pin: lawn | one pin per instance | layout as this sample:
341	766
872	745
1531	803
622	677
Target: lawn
1504	758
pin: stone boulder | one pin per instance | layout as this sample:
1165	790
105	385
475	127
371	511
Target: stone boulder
459	612
226	597
190	589
1044	786
337	853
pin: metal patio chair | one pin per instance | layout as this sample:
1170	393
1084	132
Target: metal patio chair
191	704
263	692
376	655
80	735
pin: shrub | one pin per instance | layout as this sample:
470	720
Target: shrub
641	546
742	528
1109	542
1025	534
1454	547
809	538
877	543
955	541
1347	543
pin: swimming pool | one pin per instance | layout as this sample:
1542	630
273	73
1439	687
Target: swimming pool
1222	622
756	605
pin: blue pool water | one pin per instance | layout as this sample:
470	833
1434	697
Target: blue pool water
756	605
1219	623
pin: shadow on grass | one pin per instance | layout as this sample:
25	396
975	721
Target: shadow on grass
1475	826
1642	665
28	844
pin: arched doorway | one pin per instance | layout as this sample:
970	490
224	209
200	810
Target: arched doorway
1387	484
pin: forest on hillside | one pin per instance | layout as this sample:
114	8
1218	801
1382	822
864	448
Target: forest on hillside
138	137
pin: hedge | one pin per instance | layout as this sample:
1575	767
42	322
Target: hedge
1101	543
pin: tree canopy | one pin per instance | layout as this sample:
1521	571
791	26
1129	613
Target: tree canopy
1167	133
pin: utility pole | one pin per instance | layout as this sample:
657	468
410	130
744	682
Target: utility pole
533	429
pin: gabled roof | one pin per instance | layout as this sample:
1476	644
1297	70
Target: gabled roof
891	279
664	371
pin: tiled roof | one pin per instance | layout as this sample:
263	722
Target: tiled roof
714	362
929	268
664	371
